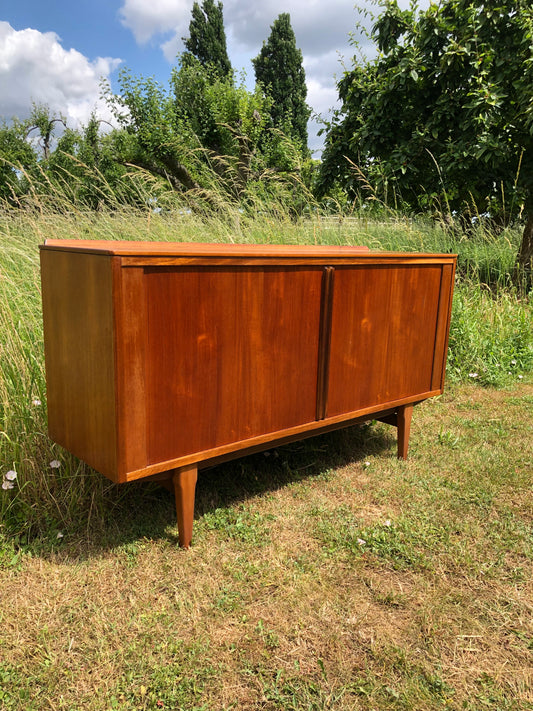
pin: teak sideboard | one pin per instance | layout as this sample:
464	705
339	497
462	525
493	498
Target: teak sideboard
162	358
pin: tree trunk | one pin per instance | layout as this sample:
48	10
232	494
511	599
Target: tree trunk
523	271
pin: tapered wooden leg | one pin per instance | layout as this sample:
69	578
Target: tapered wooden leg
404	428
184	480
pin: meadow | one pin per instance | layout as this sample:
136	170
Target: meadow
324	574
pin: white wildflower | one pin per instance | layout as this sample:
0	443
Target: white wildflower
55	464
361	542
59	534
367	464
513	362
520	377
6	484
36	402
11	475
387	523
472	375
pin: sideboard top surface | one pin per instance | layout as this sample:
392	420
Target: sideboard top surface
147	249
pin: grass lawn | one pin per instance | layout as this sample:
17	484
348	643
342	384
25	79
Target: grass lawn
323	575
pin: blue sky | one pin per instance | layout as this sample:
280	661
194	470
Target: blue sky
94	28
56	52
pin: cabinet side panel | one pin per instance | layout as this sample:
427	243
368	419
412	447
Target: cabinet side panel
232	354
443	326
383	335
79	355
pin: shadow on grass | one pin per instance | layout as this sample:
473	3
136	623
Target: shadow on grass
240	479
145	510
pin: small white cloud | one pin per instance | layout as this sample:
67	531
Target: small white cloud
172	48
147	18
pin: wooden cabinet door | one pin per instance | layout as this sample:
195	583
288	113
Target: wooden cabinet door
383	333
232	353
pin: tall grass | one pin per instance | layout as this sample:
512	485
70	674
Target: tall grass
491	336
491	339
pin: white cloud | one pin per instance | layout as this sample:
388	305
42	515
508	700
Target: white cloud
323	98
318	26
34	67
322	33
146	18
172	47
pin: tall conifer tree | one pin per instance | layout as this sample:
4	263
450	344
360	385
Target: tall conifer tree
279	69
207	40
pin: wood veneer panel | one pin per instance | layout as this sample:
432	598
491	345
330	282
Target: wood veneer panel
79	354
443	326
383	335
153	250
262	442
232	354
131	329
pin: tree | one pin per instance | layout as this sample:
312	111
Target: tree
279	69
207	40
86	167
42	121
16	157
25	148
444	113
205	127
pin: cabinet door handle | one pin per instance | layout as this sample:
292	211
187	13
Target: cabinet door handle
324	341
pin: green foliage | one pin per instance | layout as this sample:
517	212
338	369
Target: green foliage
215	111
16	156
208	137
44	122
491	339
279	69
86	166
207	40
154	140
443	115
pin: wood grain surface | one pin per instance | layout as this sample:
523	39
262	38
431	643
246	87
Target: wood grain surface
384	327
164	355
232	354
79	355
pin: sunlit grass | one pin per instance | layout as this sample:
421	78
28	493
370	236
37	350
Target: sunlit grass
326	575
